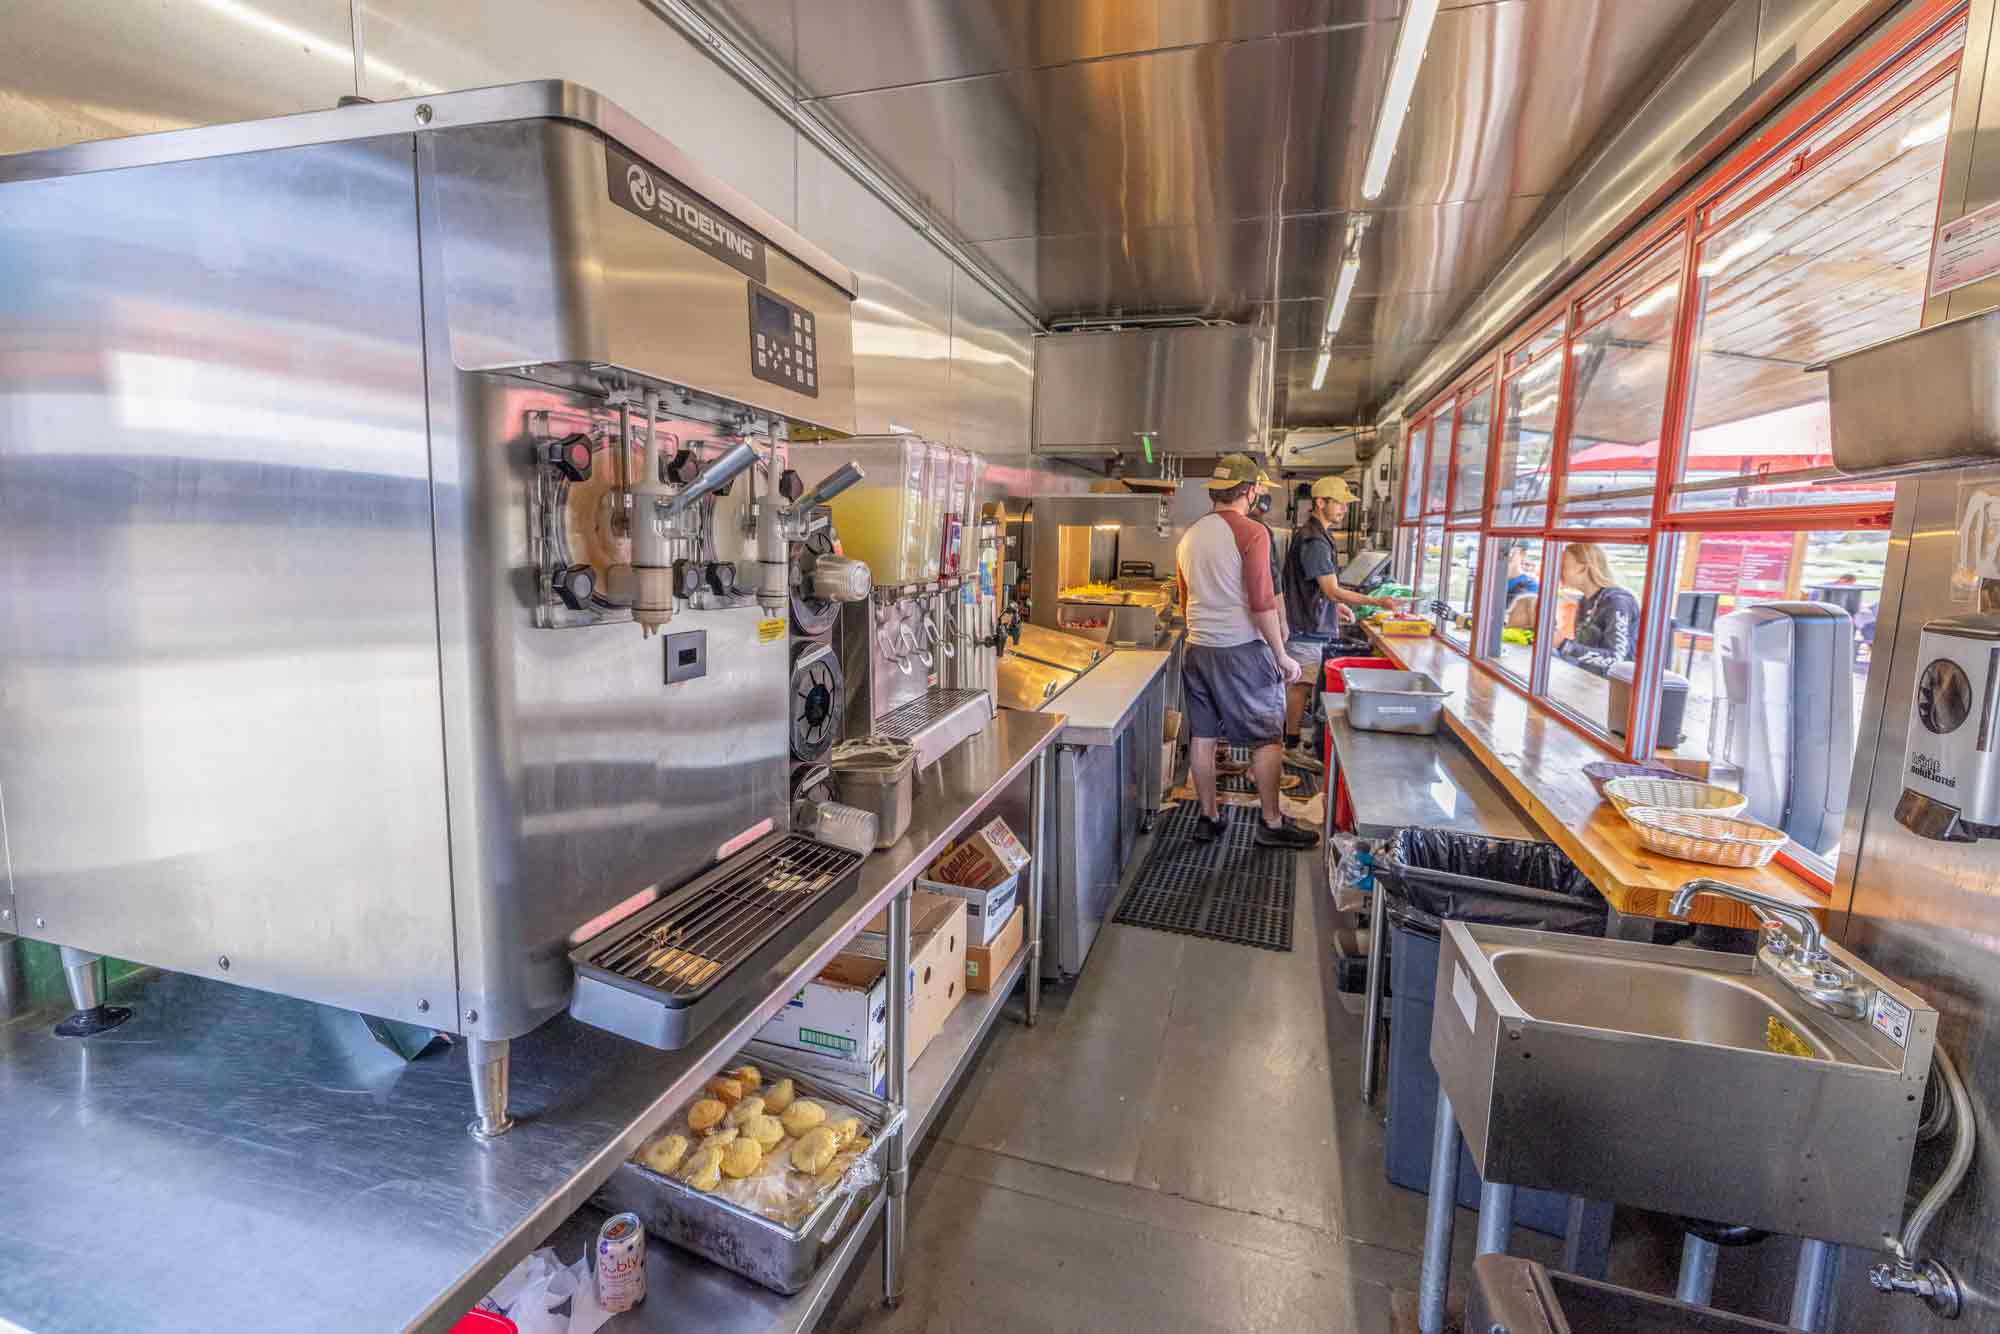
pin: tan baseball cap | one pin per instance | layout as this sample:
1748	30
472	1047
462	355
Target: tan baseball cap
1234	470
1333	488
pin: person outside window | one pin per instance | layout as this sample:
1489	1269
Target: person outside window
1519	581
1235	668
1313	599
1607	619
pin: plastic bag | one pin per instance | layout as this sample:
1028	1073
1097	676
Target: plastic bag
1354	869
535	1288
1438	875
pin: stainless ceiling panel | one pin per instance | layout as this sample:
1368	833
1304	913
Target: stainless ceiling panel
1434	248
846	46
1487	119
766	25
1788	28
1391	317
620	49
71	73
1221	271
902	317
967	147
1182	136
992	373
1017	259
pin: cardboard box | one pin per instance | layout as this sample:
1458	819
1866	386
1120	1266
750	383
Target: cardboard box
985	962
937	961
982	859
843	1013
846	1072
987	910
1170	748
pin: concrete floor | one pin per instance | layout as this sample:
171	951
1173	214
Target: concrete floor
1179	1145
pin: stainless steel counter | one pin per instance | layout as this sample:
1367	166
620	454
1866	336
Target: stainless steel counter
1099	706
1422	782
266	1166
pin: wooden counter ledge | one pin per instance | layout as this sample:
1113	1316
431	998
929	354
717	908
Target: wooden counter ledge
1539	761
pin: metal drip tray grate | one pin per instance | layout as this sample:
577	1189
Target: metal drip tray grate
662	974
904	723
1230	890
936	722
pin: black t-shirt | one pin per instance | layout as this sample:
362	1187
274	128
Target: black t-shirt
1607	631
1310	556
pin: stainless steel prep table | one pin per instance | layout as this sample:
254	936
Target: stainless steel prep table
1107	788
1400	782
224	1131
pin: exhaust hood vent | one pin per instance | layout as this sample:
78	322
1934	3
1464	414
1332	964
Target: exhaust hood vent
1186	391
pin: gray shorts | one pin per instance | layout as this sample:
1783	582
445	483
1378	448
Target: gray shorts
1234	694
1309	653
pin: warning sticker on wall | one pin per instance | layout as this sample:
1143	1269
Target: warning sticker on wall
1967	250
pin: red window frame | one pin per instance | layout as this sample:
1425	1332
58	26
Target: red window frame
1712	202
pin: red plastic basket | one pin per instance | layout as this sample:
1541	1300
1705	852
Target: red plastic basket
1336	683
484	1322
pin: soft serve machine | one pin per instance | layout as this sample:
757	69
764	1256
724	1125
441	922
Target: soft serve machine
396	519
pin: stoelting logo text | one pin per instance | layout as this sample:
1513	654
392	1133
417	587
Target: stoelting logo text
656	199
1929	769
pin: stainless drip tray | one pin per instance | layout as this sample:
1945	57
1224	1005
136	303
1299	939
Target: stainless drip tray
662	975
936	722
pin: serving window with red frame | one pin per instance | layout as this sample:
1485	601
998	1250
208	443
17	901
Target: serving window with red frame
1656	457
1413	471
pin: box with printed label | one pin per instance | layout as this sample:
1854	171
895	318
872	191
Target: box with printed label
982	859
986	910
983	963
873	1077
937	961
842	1013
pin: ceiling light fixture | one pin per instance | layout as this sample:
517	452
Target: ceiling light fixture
1343	292
1411	40
1929	132
1319	367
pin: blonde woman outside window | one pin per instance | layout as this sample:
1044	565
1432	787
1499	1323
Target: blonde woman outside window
1607	619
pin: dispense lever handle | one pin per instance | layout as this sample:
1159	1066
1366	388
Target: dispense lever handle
846	475
713	478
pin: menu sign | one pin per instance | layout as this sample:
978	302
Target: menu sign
1755	565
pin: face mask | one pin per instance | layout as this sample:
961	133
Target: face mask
1262	505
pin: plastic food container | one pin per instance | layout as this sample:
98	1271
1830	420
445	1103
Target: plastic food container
1713	839
1674	794
878	777
1382	701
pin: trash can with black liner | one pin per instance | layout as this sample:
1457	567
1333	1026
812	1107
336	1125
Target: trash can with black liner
1430	876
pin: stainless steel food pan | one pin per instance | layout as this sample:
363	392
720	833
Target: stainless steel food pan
1388	701
767	1253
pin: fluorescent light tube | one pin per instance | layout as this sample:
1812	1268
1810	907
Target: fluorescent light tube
1411	39
1929	132
1343	291
1319	367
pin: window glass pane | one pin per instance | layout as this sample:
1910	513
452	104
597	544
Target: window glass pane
1439	474
1542	341
1413	471
1475	425
1740	727
1527	439
1403	566
1431	555
1513	600
1460	570
1596	627
1619	389
1832	264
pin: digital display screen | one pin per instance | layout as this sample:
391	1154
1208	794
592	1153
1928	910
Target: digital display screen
774	321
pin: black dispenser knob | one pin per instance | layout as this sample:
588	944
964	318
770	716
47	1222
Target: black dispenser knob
575	586
570	456
722	578
790	485
687	578
684	467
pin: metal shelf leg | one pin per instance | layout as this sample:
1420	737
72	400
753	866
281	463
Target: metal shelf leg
1496	1218
1371	1018
1813	1288
895	1216
1038	817
1435	1278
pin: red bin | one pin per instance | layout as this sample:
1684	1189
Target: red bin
1336	683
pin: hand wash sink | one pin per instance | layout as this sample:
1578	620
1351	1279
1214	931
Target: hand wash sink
1682	1080
1514	1296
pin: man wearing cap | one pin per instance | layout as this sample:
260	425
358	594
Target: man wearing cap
1236	668
1312	597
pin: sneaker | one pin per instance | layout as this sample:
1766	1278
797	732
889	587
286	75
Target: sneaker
1207	830
1285	834
1300	757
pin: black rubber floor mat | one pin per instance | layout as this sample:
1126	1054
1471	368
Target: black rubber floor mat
1230	890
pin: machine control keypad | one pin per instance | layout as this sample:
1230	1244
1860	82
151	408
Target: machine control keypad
782	336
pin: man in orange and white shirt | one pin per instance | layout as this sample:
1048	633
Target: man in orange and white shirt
1236	668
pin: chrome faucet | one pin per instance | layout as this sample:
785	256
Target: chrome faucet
1792	947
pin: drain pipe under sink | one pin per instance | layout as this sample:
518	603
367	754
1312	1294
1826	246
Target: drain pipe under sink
1930	1279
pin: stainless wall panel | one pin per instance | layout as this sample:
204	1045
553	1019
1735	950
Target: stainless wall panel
1222	271
902	318
617	47
1790	29
1433	248
1018	260
220	691
1927	914
74	72
992	374
1195	390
